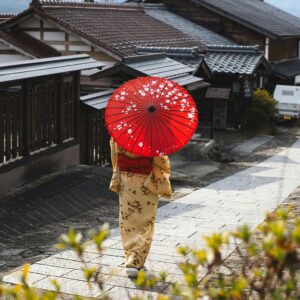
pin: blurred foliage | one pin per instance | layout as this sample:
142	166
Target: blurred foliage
72	240
262	114
268	265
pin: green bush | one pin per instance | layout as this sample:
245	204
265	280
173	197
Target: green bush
268	268
261	116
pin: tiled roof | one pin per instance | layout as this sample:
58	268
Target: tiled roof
4	17
155	65
27	44
205	35
131	25
162	66
234	60
97	101
219	59
257	15
287	69
188	56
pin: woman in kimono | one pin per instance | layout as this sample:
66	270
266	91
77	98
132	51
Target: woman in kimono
138	181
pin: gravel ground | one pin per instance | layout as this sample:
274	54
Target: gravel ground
34	216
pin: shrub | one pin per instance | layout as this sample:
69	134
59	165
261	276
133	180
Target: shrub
269	265
261	116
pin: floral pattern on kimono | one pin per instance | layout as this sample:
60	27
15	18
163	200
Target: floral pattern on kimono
138	200
158	181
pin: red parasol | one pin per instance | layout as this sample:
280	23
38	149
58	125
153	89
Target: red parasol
151	116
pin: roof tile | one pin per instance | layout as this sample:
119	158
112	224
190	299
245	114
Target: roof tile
233	60
205	35
132	26
6	16
256	14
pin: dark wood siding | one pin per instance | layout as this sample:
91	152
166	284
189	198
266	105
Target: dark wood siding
283	49
94	137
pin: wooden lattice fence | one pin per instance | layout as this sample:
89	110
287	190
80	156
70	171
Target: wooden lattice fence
36	115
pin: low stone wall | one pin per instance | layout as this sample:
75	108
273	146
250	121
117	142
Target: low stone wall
29	169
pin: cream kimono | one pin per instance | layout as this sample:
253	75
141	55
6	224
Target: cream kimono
138	198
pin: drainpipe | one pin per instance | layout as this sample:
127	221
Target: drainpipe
267	47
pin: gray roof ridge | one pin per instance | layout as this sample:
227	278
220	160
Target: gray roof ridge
83	5
238	48
175	51
161	6
5	14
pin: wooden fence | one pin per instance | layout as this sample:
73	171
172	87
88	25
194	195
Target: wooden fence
94	142
37	114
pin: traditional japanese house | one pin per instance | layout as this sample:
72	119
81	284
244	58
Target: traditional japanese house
16	46
74	27
151	65
6	16
77	27
247	22
39	117
234	72
155	65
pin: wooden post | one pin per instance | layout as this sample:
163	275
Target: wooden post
14	111
212	119
76	104
1	128
26	126
89	134
60	109
83	137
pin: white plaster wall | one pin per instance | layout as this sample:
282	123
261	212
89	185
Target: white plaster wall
79	48
58	47
54	36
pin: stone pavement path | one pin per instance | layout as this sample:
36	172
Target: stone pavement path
238	199
250	145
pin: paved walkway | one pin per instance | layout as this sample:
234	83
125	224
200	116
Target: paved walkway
249	146
241	198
